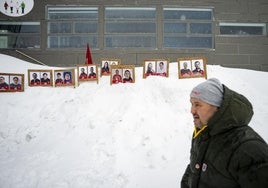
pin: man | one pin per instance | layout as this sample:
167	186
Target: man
185	71
92	74
197	70
45	80
83	74
15	85
35	80
161	69
3	84
226	152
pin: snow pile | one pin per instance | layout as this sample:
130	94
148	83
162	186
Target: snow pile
107	136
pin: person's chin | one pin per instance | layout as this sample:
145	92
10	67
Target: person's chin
197	123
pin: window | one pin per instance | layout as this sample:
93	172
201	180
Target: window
19	35
72	27
128	27
188	28
242	29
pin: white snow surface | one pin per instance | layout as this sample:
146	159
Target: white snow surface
108	136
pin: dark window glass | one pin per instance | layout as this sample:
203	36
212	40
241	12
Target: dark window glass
175	28
130	27
201	28
19	35
71	41
129	41
129	13
242	29
187	14
86	27
188	42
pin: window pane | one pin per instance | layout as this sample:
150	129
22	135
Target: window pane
19	27
188	42
59	27
72	12
187	14
242	29
130	12
86	27
20	41
130	41
71	41
201	28
175	28
130	27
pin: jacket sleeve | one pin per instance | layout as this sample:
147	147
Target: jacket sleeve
249	165
184	180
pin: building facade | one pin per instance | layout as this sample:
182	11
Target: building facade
230	33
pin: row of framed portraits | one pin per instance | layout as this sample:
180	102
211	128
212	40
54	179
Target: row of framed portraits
187	68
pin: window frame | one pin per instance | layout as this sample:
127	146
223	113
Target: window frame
85	37
109	35
188	35
19	37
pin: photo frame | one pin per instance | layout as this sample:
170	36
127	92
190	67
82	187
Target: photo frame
11	82
192	67
87	73
40	78
122	74
64	77
156	67
106	63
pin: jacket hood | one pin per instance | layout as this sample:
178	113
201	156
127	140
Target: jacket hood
235	111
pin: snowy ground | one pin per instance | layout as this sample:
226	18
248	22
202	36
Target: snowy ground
108	136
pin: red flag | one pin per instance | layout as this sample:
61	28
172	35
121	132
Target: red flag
88	56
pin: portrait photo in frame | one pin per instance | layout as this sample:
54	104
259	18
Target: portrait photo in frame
87	73
156	67
40	77
122	74
106	64
64	77
192	67
11	82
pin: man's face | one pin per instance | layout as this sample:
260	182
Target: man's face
201	112
2	79
15	80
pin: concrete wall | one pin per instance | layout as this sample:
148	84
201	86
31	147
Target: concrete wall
240	52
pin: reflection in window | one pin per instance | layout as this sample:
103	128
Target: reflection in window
242	28
188	28
130	27
72	27
70	41
19	35
130	41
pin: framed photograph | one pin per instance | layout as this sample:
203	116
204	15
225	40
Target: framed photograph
156	67
64	77
192	67
87	73
106	64
122	74
10	82
40	77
